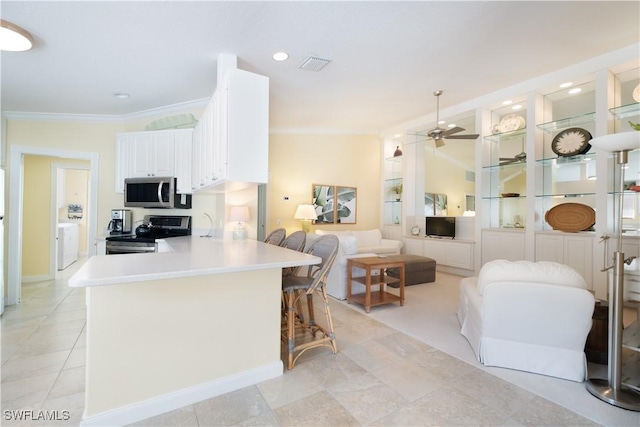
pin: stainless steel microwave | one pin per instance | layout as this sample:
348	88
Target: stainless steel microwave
154	192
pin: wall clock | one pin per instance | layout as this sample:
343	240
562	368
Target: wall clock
571	142
415	230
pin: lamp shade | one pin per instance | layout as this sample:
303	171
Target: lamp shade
239	214
305	212
624	141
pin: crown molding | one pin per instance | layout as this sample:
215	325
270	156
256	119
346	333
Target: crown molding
69	117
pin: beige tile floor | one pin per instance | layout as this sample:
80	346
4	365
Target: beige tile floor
379	377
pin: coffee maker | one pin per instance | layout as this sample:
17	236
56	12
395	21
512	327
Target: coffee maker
120	221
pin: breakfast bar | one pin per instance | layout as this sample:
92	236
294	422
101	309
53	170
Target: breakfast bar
168	329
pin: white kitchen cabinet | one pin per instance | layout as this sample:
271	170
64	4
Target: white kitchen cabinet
574	250
183	158
243	137
231	139
155	153
152	154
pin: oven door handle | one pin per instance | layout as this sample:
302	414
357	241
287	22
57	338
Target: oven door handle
120	248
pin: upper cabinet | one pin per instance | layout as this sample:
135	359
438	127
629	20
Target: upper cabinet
229	143
232	139
154	153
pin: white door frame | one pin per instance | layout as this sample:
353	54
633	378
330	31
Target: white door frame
16	199
53	243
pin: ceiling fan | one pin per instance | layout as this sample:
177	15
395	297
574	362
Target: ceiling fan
438	134
520	157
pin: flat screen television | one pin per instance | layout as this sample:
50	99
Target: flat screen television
443	227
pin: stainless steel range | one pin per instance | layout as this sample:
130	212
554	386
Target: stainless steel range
154	227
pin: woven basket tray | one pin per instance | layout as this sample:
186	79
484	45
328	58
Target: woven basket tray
571	217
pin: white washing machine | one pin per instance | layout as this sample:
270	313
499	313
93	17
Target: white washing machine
68	241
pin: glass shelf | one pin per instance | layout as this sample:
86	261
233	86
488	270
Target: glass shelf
579	158
566	195
504	136
516	167
567	122
505	197
625	111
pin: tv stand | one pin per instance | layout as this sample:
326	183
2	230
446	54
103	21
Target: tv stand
455	256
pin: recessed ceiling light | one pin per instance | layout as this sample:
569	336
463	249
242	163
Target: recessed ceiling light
397	135
441	122
575	90
121	95
566	85
14	38
507	102
280	56
451	125
517	107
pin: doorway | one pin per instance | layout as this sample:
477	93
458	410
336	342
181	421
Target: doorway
16	201
69	196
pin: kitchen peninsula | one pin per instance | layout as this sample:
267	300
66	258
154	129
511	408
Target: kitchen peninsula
168	329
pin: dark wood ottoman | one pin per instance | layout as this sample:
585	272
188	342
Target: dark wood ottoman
417	269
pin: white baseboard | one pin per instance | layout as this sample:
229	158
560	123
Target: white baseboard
32	279
180	398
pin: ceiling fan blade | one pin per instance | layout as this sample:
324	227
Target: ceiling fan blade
469	136
452	130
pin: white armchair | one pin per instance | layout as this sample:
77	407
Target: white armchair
529	316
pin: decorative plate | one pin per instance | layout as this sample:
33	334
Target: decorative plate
636	93
415	231
511	123
571	217
571	142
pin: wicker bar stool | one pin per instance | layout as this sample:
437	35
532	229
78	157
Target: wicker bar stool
294	287
276	237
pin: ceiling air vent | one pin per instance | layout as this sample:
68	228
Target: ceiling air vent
313	63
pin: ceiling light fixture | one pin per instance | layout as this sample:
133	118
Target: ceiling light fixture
507	102
575	90
14	38
451	125
280	56
517	107
566	85
121	95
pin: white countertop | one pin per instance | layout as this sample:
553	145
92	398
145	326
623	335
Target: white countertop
187	257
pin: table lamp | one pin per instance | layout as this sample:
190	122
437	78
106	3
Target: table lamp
239	214
306	213
611	390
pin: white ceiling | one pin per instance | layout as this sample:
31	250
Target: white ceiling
387	58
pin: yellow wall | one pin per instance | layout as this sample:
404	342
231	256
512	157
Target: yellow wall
36	214
297	161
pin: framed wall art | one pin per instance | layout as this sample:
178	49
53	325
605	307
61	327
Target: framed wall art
435	204
334	204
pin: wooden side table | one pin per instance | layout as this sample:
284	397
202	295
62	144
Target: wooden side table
369	299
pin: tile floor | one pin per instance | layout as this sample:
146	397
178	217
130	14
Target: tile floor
379	377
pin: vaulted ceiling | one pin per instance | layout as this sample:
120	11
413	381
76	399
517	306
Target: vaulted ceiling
387	58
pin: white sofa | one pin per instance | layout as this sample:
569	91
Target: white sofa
529	316
353	244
